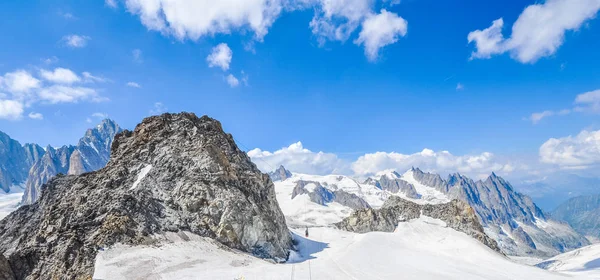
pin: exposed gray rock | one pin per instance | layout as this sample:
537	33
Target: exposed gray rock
456	214
91	153
173	172
582	213
5	270
15	161
398	186
499	207
280	174
430	179
322	195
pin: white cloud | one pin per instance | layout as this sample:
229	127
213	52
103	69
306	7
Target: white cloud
298	159
232	81
580	151
588	102
76	41
89	78
487	41
133	84
439	162
137	56
195	18
60	76
19	81
537	117
66	94
36	116
379	31
100	115
338	19
334	20
158	109
11	109
220	57
111	3
459	87
538	32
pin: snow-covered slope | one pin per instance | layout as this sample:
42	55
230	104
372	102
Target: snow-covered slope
420	249
580	262
300	210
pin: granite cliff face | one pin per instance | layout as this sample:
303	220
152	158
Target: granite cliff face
174	172
91	153
15	161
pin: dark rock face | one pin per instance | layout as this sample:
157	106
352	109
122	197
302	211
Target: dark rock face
281	174
91	153
173	172
398	186
5	270
582	213
499	208
15	161
457	215
322	196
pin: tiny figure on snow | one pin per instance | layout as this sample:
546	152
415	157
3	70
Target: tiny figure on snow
306	232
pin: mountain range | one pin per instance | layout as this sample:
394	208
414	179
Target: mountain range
512	219
582	213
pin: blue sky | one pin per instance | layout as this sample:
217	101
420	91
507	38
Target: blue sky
297	84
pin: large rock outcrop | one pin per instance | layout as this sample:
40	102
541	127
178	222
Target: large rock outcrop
456	214
173	172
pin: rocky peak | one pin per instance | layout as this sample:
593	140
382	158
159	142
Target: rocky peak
280	174
91	153
174	172
15	161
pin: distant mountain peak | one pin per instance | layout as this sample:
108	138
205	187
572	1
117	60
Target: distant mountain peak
280	174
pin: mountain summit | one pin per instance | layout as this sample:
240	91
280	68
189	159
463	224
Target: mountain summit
173	173
91	153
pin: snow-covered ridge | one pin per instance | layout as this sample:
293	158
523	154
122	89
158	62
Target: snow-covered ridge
582	262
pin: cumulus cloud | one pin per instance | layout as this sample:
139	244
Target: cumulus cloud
191	19
36	116
23	90
19	81
76	41
298	159
11	109
232	81
335	20
111	3
133	85
338	19
538	32
379	31
60	75
588	102
572	152
439	162
220	57
67	94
